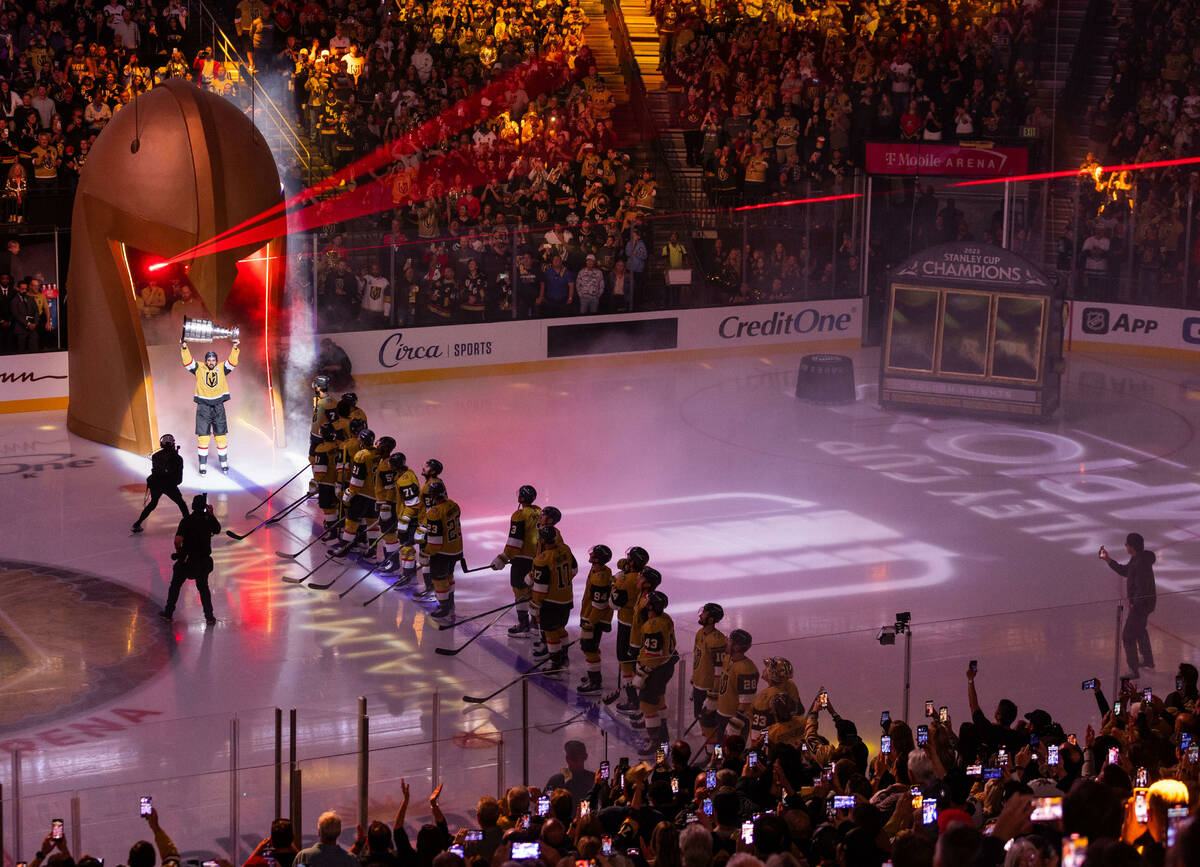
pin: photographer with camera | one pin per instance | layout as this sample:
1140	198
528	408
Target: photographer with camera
166	472
193	556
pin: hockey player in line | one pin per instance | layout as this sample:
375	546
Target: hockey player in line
777	672
403	500
431	472
728	713
708	656
325	459
443	546
323	404
519	551
553	597
359	498
649	580
656	662
624	598
595	617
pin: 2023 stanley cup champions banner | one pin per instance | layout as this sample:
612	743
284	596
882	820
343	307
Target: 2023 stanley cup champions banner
950	160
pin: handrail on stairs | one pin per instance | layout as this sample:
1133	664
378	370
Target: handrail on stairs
638	104
218	39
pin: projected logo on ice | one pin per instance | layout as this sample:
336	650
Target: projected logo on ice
794	549
1062	489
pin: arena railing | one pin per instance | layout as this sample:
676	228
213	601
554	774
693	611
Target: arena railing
881	227
217	781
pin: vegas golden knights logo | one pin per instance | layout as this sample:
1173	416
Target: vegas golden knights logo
210	379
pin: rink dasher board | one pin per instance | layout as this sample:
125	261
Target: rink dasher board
529	344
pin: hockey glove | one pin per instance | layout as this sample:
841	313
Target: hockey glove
499	562
710	704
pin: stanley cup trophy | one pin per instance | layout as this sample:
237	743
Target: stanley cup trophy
204	331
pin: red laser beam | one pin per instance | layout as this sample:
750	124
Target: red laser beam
407	144
535	75
1050	176
812	201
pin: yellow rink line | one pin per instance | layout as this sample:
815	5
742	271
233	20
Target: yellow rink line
34	404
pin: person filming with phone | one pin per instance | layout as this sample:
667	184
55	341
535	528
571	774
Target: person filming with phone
193	557
1140	594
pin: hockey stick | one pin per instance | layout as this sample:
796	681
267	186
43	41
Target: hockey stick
474	699
330	557
463	562
400	582
317	539
591	706
330	583
272	520
454	651
260	503
444	626
342	595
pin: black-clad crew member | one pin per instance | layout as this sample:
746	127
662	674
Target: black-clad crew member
193	557
166	472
